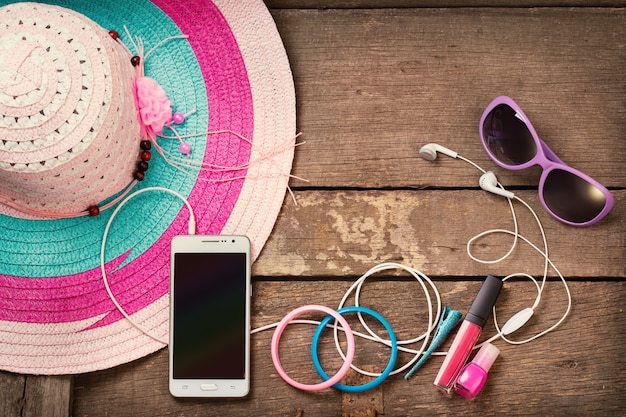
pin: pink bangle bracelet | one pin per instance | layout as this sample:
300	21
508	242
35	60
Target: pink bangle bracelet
276	340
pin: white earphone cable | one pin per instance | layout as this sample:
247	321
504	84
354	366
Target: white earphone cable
547	263
191	230
432	321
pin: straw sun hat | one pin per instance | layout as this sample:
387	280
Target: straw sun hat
71	124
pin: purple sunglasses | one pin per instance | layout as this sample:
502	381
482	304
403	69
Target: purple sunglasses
566	193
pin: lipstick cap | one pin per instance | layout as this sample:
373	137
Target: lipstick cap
481	308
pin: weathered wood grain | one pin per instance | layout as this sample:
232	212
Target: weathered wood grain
378	4
48	395
33	396
373	86
11	394
558	374
343	233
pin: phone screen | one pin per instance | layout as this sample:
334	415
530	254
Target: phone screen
209	314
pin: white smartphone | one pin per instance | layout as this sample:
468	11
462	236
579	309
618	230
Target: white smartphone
210	290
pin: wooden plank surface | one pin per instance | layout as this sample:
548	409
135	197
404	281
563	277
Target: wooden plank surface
379	4
374	82
49	395
11	394
558	374
342	233
374	85
32	396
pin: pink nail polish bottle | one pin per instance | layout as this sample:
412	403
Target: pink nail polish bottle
468	334
474	374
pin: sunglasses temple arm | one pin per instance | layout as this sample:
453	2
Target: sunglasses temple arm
549	153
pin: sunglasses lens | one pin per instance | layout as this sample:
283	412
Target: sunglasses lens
572	198
507	137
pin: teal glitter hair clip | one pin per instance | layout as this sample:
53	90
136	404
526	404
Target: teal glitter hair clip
448	321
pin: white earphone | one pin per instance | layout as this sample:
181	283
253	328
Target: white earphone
429	151
489	182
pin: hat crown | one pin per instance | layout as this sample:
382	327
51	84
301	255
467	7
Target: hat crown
69	128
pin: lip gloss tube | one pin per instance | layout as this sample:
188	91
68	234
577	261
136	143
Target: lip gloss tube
468	334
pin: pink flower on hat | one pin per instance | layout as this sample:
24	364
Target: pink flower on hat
155	110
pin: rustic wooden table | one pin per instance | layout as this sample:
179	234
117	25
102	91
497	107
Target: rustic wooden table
375	80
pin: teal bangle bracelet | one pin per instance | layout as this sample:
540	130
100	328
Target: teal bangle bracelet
392	357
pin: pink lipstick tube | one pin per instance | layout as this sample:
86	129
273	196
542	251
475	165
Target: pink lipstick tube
468	334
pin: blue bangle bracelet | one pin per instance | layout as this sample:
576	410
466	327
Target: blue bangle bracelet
392	357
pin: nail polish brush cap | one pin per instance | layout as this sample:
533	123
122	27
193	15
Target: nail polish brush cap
486	356
481	308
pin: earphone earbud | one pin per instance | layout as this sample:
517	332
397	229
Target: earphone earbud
429	151
489	182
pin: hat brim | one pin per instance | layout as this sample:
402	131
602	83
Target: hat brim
55	315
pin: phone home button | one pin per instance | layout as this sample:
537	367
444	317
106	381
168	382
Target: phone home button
208	387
